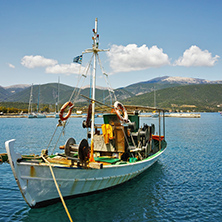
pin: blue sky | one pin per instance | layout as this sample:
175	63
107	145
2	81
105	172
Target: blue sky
146	38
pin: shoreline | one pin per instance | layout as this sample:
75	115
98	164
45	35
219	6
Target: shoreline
24	116
174	115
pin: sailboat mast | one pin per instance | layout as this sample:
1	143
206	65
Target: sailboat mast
30	100
154	97
57	103
38	100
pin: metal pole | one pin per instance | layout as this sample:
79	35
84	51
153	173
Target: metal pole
93	97
95	48
159	131
164	124
58	95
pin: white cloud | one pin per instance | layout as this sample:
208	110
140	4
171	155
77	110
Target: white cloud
51	66
131	57
194	56
72	68
11	66
37	61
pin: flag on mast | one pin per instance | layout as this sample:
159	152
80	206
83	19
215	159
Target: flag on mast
78	59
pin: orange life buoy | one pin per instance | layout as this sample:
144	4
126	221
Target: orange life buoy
119	106
63	109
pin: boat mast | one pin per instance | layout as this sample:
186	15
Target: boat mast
95	51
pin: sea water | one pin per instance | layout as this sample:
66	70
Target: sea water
184	185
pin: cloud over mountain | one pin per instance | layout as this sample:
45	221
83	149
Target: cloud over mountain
194	56
127	58
51	65
71	68
131	57
37	61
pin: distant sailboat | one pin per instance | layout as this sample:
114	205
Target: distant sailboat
31	114
39	115
57	101
154	114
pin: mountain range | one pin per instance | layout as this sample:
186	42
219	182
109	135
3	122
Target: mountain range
165	82
134	93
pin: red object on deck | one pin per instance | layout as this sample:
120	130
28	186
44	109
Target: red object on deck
157	137
62	147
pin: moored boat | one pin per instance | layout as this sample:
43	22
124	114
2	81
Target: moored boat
184	115
110	154
32	114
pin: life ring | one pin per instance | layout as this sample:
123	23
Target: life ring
63	109
119	106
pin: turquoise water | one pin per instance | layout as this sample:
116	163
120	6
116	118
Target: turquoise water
184	185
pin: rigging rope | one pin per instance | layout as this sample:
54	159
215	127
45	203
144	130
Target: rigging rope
57	187
52	137
76	92
62	131
110	89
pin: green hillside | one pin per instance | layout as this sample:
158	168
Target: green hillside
147	87
3	93
200	97
204	97
47	94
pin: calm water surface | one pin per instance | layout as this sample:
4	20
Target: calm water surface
184	185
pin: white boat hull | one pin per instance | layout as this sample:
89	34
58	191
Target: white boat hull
32	115
37	185
184	115
36	115
40	115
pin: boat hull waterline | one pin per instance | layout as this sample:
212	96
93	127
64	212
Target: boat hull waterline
37	185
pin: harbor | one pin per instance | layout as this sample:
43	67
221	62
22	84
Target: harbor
110	153
171	186
111	111
83	115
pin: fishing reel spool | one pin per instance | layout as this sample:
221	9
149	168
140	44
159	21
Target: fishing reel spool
82	149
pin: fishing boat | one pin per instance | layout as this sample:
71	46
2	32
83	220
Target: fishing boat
110	154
